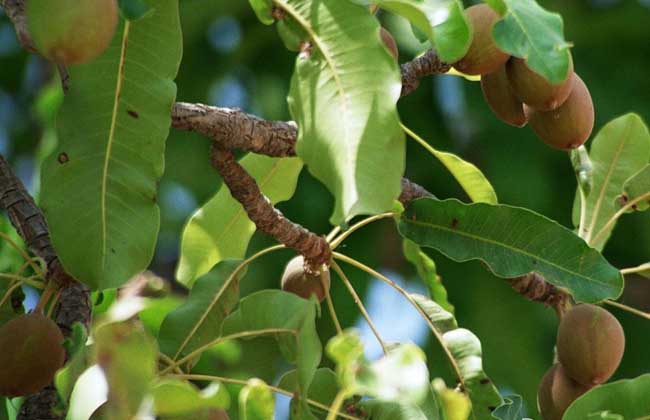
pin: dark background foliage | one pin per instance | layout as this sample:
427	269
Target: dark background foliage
230	59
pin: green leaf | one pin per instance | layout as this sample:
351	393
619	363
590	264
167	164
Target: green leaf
128	358
512	241
637	189
256	401
278	310
465	349
263	9
513	408
343	97
627	398
198	321
174	397
134	9
221	229
620	150
156	310
99	187
426	268
529	31
442	21
475	184
323	389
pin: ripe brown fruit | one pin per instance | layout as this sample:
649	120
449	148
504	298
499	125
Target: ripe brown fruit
501	99
31	352
590	344
534	90
568	126
483	55
298	281
556	393
389	42
72	31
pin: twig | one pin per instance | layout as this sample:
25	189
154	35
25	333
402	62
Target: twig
15	10
638	269
534	287
343	236
260	211
426	65
629	205
629	309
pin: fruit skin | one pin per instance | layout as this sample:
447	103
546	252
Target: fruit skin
590	344
389	42
534	90
298	281
218	415
72	31
31	353
568	126
502	101
556	392
483	55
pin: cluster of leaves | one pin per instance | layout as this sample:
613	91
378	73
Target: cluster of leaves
148	356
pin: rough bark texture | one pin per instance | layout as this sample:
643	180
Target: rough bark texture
412	191
15	10
427	64
534	287
267	218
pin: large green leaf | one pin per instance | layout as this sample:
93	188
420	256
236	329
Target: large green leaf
627	398
426	269
637	189
621	149
442	21
198	321
512	241
465	348
343	97
531	32
128	358
221	229
99	187
299	343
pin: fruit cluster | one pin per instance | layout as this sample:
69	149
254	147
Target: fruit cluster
562	115
590	344
32	352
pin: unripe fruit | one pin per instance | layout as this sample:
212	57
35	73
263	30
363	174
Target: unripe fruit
31	351
501	99
483	55
590	344
568	126
556	393
534	90
72	31
298	281
389	42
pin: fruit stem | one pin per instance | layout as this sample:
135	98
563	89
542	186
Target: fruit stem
359	304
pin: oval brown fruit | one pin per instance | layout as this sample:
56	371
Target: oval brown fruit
483	55
568	126
590	344
502	101
72	31
298	281
556	392
389	42
31	352
534	90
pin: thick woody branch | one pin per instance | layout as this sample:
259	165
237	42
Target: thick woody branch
426	65
534	287
15	10
267	218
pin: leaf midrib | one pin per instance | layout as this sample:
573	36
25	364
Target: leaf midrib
506	246
111	139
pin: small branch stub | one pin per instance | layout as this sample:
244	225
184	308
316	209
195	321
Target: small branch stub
534	287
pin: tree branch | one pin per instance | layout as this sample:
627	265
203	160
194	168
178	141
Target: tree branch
425	65
15	10
74	303
534	287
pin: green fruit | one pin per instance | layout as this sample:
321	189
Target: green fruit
389	42
501	99
32	352
298	281
483	55
590	344
534	90
72	31
568	126
556	393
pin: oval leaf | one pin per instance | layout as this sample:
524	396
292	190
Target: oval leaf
512	241
621	149
221	229
529	31
343	96
99	186
627	398
637	189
